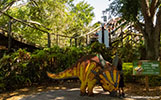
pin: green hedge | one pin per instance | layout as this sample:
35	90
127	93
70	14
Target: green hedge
23	68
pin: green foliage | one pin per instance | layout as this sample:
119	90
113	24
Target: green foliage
23	68
127	9
101	48
141	14
81	15
59	16
155	80
83	12
13	67
127	70
130	10
130	48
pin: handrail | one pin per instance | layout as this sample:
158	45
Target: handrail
89	32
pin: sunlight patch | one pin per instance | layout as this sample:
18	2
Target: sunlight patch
59	98
24	90
145	97
74	89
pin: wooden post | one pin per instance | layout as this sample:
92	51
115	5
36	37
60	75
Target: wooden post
49	40
110	44
9	34
79	42
57	40
86	40
103	33
147	83
75	42
70	41
122	42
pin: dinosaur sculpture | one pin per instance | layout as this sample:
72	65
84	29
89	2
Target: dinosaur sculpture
90	72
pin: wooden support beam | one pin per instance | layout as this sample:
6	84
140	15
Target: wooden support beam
9	34
49	40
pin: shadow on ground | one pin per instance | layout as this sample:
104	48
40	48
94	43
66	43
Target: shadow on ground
70	94
71	91
19	93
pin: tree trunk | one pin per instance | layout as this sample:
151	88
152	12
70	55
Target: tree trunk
152	46
150	30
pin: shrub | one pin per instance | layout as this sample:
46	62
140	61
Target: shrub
24	68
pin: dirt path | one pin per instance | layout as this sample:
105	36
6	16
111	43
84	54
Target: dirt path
70	91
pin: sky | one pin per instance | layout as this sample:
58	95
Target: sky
99	6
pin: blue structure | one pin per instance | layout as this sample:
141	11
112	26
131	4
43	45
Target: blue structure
106	37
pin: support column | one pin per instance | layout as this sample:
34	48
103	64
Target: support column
9	34
103	41
49	40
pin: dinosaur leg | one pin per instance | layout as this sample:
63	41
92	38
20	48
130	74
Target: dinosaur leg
91	85
83	89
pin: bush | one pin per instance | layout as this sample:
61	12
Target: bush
23	68
127	70
12	68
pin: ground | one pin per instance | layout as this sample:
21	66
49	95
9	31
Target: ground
70	90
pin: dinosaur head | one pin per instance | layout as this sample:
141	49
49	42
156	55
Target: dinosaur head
109	79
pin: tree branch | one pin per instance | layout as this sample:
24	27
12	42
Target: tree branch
153	7
34	2
37	23
139	26
4	9
37	5
24	22
8	7
145	9
147	18
158	21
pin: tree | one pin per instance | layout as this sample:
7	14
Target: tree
146	17
34	19
82	15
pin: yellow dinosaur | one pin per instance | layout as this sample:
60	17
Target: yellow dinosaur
90	72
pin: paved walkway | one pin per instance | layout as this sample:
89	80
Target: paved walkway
73	94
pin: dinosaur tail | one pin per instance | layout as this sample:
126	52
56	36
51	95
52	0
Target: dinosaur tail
68	73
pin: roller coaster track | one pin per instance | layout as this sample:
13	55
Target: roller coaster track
15	43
